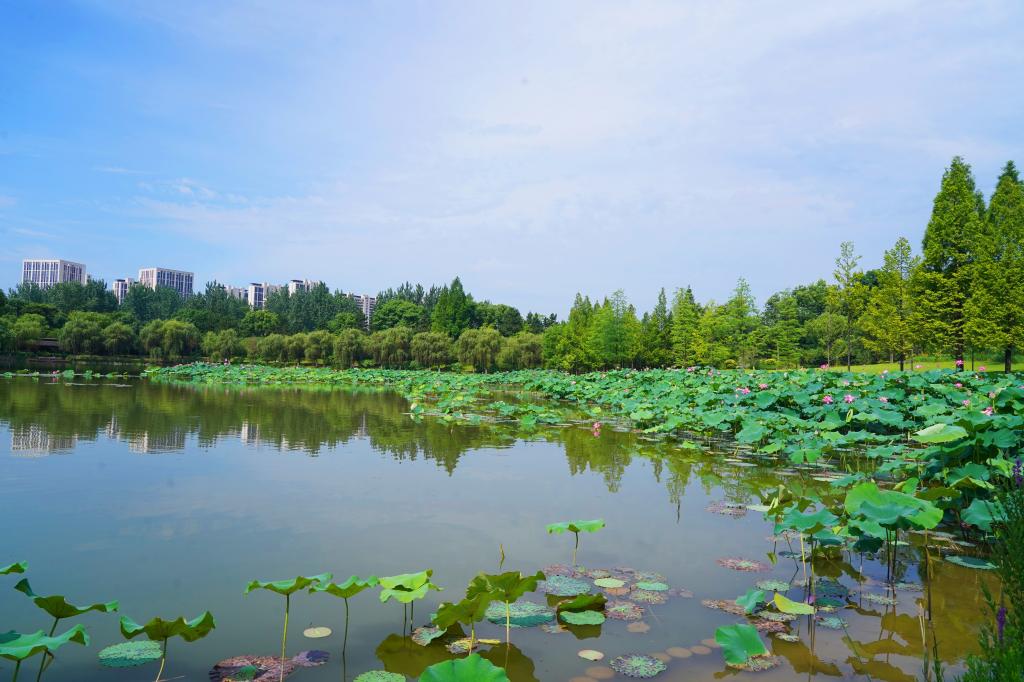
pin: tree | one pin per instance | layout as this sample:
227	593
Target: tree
390	348
572	352
345	320
656	335
846	298
259	323
944	282
295	347
319	346
995	309
451	315
28	329
824	332
398	312
349	347
614	332
179	339
740	325
83	333
522	351
431	349
6	335
272	347
506	319
479	348
685	316
146	304
118	338
888	319
782	328
538	324
221	345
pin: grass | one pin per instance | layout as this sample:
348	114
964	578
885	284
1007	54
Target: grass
990	365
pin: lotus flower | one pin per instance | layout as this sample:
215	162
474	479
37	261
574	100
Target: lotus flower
967	403
848	398
762	386
981	368
988	411
884	399
917	366
958	385
959	363
824	366
828	400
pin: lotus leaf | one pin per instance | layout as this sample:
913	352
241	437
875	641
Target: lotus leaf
561	586
582	617
407	587
786	605
379	676
609	582
472	668
15	646
623	610
756	664
638	665
648	597
652	586
739	643
345	590
745	565
521	614
58	607
316	632
576	526
970	562
832	623
750	600
19	567
773	585
890	508
983	513
940	433
287	587
158	629
130	654
590	655
583	602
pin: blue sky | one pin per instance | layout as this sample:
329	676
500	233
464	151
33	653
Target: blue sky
534	148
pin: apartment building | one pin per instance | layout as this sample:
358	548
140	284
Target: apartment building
121	287
366	303
179	280
297	285
258	294
44	272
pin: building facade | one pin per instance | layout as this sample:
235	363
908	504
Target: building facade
241	293
179	280
259	293
121	287
297	285
366	303
44	272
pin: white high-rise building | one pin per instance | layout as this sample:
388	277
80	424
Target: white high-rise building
297	285
179	280
44	272
121	287
366	303
241	293
260	292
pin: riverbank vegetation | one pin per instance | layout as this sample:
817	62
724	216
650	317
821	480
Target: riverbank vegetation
961	297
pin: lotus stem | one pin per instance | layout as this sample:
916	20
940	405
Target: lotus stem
163	661
344	640
508	623
42	663
17	667
284	635
472	638
803	562
576	547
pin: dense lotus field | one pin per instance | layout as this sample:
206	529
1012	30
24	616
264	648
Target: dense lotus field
918	448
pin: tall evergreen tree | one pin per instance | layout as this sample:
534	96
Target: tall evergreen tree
995	309
955	228
685	317
847	296
452	312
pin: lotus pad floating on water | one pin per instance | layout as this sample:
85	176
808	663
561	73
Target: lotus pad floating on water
727	509
623	610
317	632
638	665
773	585
563	586
609	582
776	616
763	625
787	637
970	562
598	573
651	586
591	655
264	668
130	654
880	599
461	646
724	605
832	623
757	664
582	617
426	634
648	597
648	576
523	614
559	569
746	565
379	676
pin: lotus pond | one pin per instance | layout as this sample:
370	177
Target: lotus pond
807	523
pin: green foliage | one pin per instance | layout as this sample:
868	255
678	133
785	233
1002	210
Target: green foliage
786	605
287	587
15	646
750	600
58	606
259	323
472	668
347	589
18	567
158	629
739	643
407	587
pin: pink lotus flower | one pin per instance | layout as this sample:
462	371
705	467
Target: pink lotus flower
885	371
967	403
828	400
762	386
917	366
958	385
744	390
988	411
959	363
690	369
848	398
597	426
824	366
884	399
992	394
981	368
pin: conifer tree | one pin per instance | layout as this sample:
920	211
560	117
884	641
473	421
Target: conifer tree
888	318
685	317
846	298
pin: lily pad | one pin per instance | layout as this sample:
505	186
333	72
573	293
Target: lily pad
379	676
426	634
652	586
739	643
609	582
523	614
880	599
638	627
832	622
727	509
726	605
317	632
648	597
756	664
591	655
563	586
744	565
623	610
130	654
970	562
773	585
473	668
638	665
582	617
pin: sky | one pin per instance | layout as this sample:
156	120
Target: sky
533	148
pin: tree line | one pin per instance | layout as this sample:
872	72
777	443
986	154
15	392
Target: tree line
962	293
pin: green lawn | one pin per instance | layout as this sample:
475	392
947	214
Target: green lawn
989	365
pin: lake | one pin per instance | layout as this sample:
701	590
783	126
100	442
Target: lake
172	498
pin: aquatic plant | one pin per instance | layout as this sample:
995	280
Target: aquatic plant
406	588
521	614
562	586
58	607
379	676
18	567
160	630
468	611
638	665
130	654
352	586
739	643
507	587
472	668
15	646
286	588
575	527
750	600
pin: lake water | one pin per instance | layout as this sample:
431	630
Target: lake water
170	499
